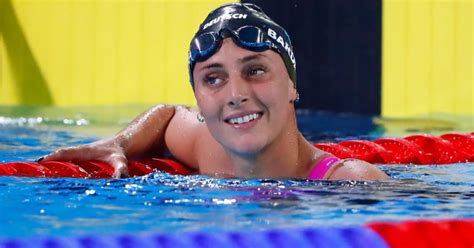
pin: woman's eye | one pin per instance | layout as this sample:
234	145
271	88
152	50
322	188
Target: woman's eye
256	71
212	80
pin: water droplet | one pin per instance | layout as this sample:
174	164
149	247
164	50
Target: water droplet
90	192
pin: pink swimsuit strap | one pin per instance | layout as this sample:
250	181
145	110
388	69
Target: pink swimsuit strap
320	169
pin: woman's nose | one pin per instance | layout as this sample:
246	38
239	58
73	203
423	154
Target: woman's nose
239	93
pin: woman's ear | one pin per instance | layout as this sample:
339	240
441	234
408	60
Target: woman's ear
292	93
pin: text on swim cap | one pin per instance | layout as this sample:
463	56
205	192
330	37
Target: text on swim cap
285	45
226	16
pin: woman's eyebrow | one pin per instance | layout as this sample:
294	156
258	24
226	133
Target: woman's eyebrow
213	65
241	61
252	57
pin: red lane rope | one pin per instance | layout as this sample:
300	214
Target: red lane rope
426	233
414	149
90	169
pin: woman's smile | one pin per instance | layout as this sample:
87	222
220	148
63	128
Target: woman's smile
244	120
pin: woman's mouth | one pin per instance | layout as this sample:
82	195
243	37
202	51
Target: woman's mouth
243	119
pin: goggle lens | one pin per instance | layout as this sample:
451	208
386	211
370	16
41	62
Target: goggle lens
251	35
202	46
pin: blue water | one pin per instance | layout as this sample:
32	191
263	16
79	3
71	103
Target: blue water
164	203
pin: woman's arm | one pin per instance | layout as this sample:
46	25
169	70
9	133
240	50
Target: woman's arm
142	135
146	132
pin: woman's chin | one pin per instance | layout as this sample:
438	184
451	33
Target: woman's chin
246	148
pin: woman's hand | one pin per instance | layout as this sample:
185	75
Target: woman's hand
108	151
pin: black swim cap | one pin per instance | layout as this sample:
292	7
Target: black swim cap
234	16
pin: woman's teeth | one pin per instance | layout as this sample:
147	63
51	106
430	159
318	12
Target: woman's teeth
243	119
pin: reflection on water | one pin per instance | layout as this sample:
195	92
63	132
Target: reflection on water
167	203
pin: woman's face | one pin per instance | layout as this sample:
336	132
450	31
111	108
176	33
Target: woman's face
244	97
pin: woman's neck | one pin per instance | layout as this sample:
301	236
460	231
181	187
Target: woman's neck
289	156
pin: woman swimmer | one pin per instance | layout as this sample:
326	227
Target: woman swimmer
243	73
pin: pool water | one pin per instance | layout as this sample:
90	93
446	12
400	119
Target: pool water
165	203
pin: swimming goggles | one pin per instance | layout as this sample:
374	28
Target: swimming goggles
248	37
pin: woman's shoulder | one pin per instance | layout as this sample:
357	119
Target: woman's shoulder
354	169
189	139
182	133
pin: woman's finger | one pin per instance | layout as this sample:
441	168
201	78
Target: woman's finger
120	172
119	162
